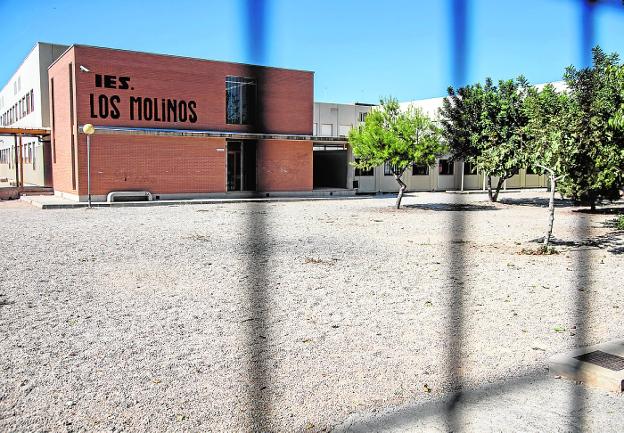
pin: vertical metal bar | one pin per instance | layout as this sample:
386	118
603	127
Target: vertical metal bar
458	19
582	232
258	331
21	163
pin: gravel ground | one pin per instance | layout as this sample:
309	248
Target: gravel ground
312	316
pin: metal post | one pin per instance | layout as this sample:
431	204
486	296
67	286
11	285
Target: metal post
89	168
21	163
16	162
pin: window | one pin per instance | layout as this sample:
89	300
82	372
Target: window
240	100
364	172
327	129
343	130
32	100
388	169
315	129
420	170
362	117
445	167
469	168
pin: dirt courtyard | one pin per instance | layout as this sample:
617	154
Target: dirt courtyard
312	316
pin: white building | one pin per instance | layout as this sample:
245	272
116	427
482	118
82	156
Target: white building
331	158
443	176
24	102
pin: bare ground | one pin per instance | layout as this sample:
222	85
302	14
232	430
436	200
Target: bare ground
304	317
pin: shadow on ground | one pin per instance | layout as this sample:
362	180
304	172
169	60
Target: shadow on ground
450	207
536	202
613	242
603	211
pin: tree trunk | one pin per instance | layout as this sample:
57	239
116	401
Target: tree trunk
489	186
401	189
551	210
493	195
499	185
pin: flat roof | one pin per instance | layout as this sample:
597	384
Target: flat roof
128	130
175	57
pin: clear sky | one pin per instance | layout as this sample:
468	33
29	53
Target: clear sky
360	50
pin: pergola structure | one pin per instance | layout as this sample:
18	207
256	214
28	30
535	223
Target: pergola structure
17	134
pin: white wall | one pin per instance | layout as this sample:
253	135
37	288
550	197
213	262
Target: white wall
32	74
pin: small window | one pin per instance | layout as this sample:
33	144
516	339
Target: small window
240	100
315	129
469	168
362	117
32	100
420	170
388	169
327	129
445	167
364	171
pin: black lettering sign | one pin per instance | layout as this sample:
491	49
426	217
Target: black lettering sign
141	108
114	111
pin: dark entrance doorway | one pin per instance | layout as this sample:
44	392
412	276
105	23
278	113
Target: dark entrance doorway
329	167
241	166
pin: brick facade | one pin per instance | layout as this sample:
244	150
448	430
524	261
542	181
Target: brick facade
172	164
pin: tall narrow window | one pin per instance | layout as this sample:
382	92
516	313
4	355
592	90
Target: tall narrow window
240	100
469	168
53	144
445	167
32	100
388	169
71	125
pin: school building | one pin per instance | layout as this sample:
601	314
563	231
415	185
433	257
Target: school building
171	127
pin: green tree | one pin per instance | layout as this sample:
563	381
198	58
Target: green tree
616	75
484	125
399	137
596	169
550	147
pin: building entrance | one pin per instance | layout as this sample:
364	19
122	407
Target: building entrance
241	166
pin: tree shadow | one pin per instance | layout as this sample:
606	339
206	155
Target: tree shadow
450	207
536	202
616	210
613	242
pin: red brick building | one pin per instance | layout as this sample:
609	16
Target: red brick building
178	127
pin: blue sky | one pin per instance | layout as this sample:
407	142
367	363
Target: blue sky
360	50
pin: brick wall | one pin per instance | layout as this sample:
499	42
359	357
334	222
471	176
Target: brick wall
284	165
161	165
62	127
170	165
285	97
